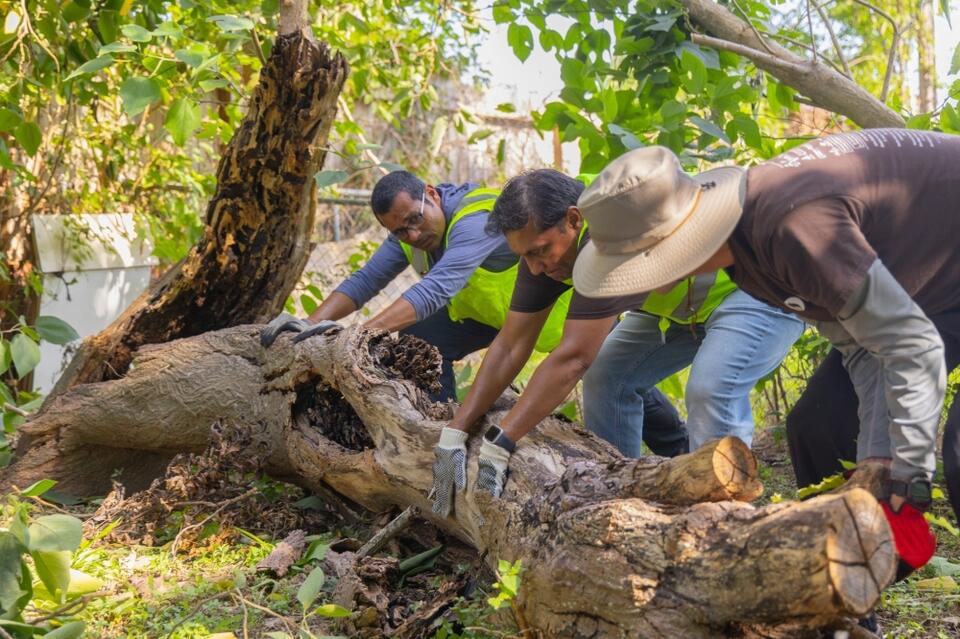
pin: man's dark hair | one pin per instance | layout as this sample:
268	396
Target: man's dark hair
391	185
543	195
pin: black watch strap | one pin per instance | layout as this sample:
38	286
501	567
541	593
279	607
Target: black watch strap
495	435
918	492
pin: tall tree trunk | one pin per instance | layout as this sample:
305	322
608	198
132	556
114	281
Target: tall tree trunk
611	547
257	235
926	58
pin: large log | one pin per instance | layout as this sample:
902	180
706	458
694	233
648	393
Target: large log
256	239
611	547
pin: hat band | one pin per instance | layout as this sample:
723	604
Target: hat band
649	238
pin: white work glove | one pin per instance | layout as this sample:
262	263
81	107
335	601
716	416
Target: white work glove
449	469
492	468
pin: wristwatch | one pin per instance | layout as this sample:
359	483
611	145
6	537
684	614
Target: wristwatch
495	435
917	492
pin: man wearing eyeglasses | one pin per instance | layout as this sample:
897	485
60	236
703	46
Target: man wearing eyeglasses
467	275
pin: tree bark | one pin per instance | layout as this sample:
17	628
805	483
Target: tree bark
611	547
926	57
257	235
818	81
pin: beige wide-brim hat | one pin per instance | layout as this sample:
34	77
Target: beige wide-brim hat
651	224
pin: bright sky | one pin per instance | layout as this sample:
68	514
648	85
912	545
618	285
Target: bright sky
531	83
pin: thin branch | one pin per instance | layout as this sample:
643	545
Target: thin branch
746	19
388	532
16	410
176	540
256	45
286	621
893	46
805	46
813	39
833	38
342	104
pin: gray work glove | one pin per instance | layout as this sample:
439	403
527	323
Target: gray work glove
449	469
285	322
492	468
279	324
319	328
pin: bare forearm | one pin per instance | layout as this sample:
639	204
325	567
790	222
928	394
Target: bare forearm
335	307
399	315
548	388
501	364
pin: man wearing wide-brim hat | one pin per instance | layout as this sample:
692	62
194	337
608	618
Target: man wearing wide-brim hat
856	232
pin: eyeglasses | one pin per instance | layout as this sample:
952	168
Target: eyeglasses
412	223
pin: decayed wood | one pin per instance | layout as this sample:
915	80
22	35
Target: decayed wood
611	547
256	239
825	86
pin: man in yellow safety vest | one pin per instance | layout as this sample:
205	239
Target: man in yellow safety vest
731	339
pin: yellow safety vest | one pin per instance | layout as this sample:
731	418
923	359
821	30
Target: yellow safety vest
485	297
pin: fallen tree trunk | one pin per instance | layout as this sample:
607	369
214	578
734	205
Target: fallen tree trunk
256	240
611	547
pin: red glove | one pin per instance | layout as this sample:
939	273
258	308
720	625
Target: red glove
912	536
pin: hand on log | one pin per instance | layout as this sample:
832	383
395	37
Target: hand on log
610	547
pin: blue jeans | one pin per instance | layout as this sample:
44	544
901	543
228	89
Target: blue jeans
743	340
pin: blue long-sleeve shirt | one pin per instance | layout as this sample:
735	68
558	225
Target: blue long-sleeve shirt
469	247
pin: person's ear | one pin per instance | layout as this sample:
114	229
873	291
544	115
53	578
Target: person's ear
432	194
574	218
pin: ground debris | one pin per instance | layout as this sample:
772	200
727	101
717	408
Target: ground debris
221	487
326	410
284	554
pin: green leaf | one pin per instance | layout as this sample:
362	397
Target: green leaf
332	610
25	353
74	11
216	83
138	93
695	72
949	119
136	33
53	569
183	119
502	13
709	128
308	303
191	58
232	24
38	488
55	533
70	630
90	66
117	47
945	10
9	119
501	151
748	129
520	39
28	136
310	588
506	107
329	178
955	61
5	358
169	29
921	121
15	592
55	330
943	567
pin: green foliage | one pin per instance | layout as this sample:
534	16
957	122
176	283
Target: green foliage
35	569
507	584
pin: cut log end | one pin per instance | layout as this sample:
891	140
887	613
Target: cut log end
735	469
860	552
